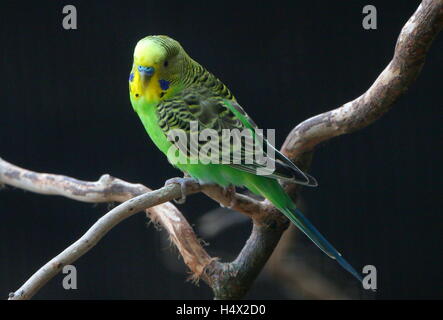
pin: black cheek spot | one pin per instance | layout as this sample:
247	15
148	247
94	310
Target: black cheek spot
136	95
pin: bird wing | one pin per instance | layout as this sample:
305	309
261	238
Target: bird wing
246	149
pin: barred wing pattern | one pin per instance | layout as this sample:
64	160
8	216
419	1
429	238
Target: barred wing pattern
207	128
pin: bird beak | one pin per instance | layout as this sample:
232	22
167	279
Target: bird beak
139	79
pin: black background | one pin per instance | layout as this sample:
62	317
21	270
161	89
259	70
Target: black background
65	109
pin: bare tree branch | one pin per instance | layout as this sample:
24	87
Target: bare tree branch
232	280
94	234
109	189
410	52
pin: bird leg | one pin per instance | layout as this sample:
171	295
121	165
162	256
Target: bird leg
184	183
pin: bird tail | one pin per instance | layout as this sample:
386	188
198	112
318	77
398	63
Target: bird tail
283	202
297	218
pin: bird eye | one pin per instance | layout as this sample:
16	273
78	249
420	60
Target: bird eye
166	63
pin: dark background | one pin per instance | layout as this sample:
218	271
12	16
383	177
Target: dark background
65	109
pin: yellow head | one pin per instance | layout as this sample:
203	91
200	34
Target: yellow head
158	65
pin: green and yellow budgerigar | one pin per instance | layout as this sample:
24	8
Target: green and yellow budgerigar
169	91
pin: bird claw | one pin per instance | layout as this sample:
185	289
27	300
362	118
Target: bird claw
183	182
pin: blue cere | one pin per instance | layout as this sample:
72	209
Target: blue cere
149	71
164	84
131	77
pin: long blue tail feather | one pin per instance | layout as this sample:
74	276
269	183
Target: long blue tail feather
297	217
272	190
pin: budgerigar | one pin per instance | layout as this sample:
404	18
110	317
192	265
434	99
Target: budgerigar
169	90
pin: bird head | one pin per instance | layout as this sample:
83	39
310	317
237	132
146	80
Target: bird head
156	71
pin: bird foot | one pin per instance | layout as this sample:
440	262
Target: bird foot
184	184
229	192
